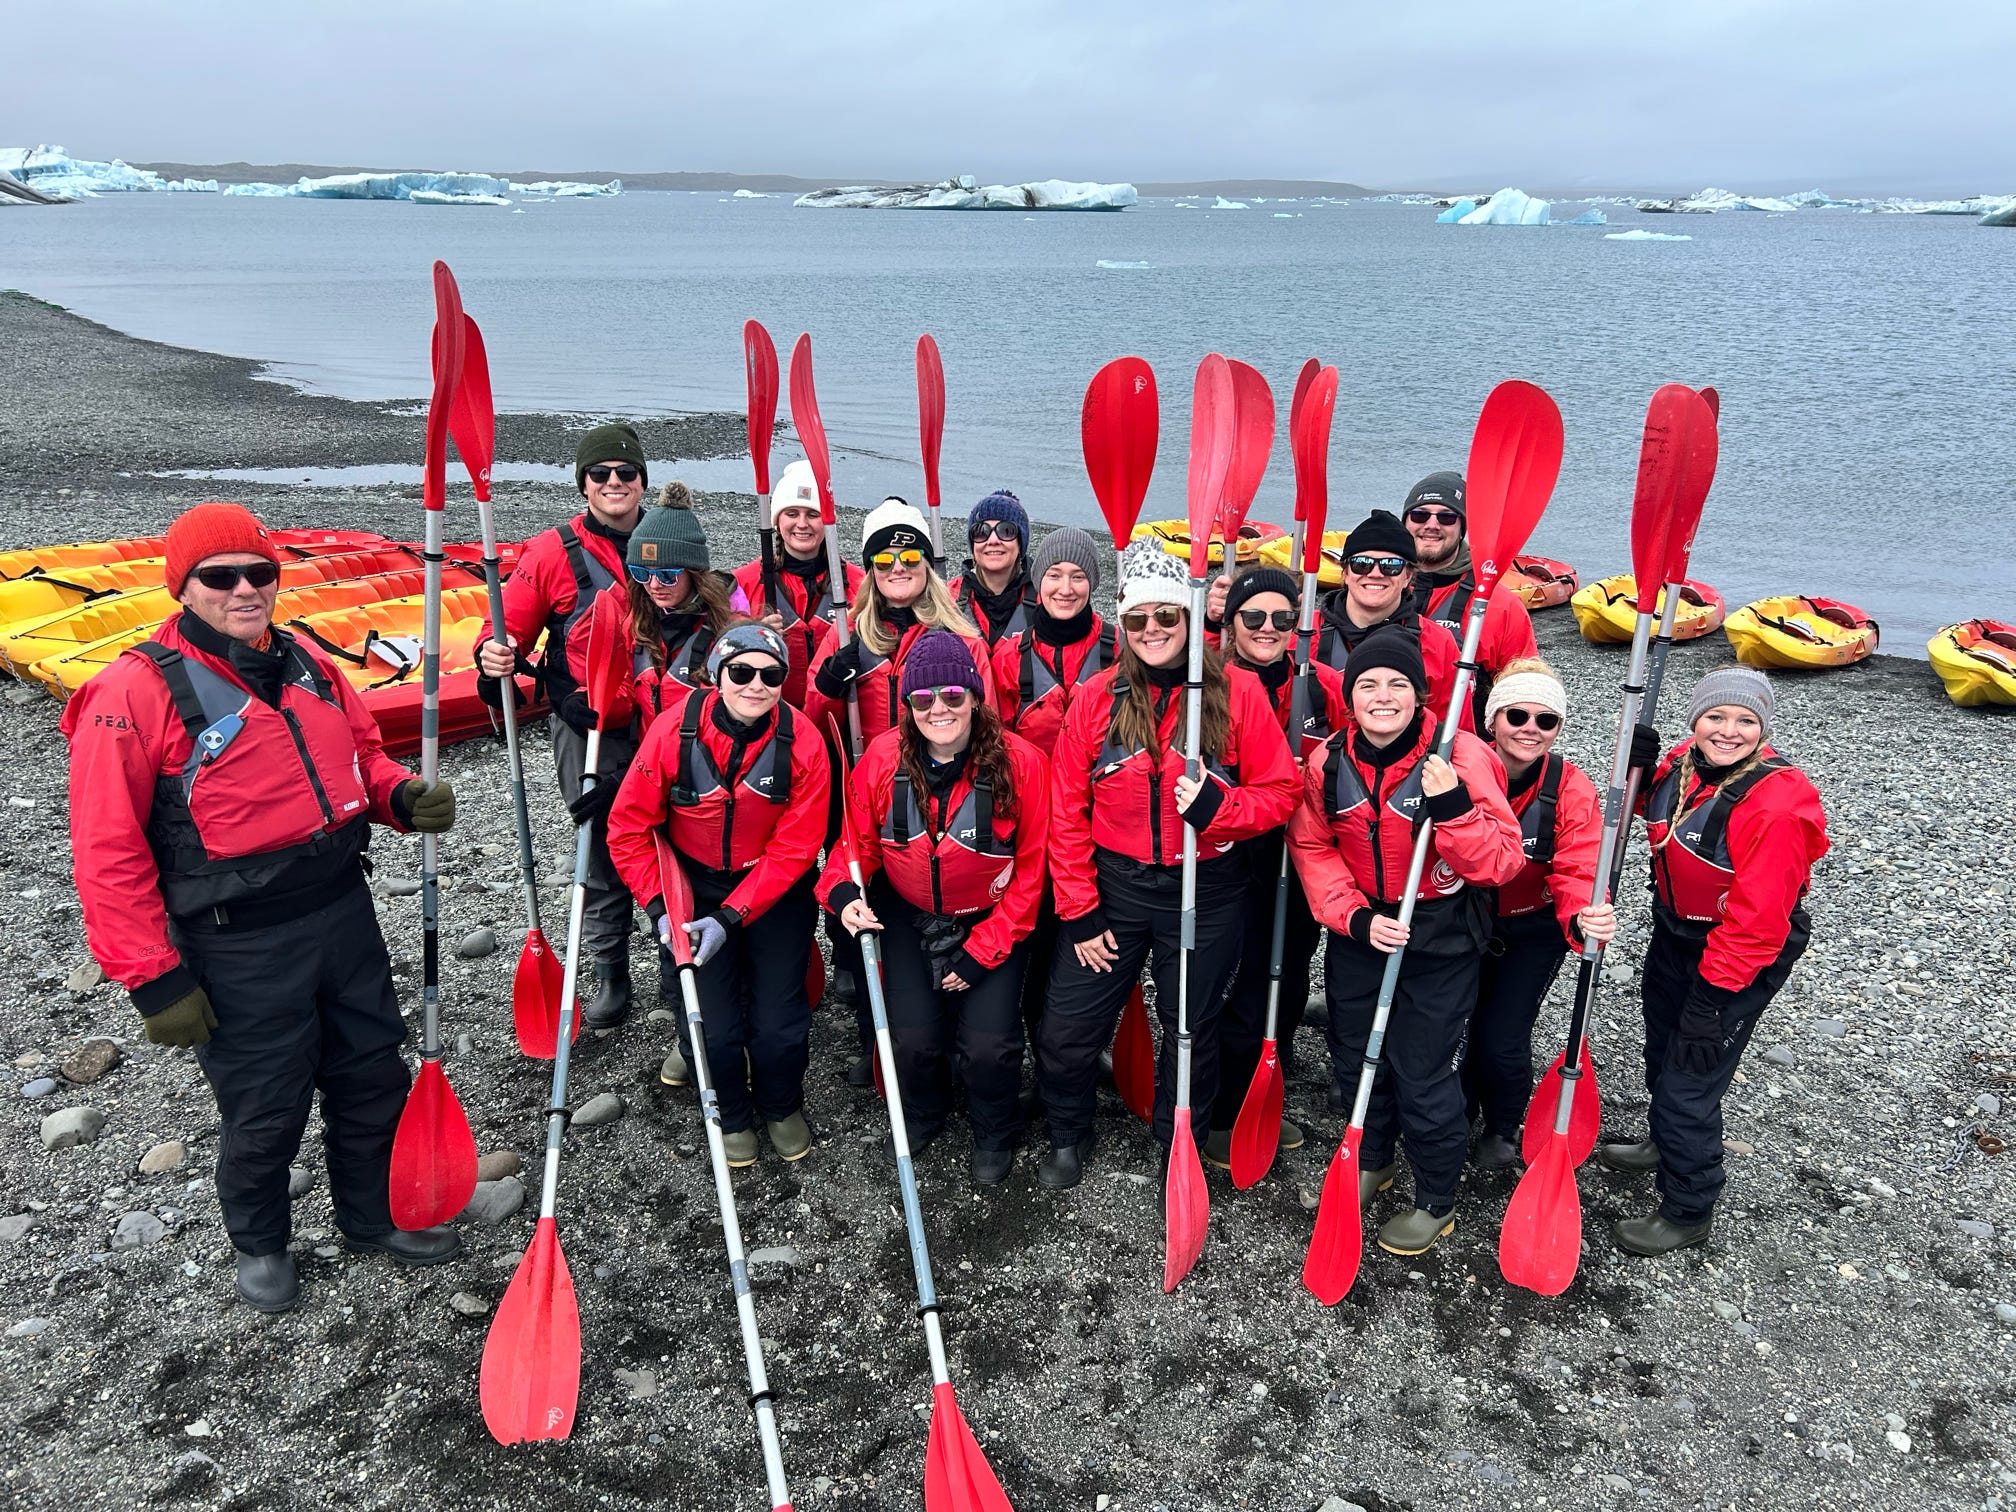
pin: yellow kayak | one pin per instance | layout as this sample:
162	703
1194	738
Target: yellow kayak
1794	631
64	672
1175	538
15	564
1976	661
41	590
1606	611
1280	552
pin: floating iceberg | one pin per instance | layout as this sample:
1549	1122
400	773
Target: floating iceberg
1980	204
54	172
444	188
1643	236
1110	262
2006	216
1713	201
1403	199
1586	218
435	197
1219	202
1819	199
1508	207
1286	215
748	194
966	193
1455	213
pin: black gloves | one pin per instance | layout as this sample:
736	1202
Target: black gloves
1645	748
426	808
840	670
591	805
575	711
1697	1040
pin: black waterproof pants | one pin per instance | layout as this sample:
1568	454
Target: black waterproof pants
1520	964
1686	1106
978	1032
301	1006
1417	1091
1243	1026
1143	909
607	918
752	1001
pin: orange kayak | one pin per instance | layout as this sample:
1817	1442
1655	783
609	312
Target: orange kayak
15	564
1541	582
377	647
66	670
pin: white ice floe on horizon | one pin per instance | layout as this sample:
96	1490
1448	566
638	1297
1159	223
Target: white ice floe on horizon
567	189
1114	262
1286	215
1714	201
1644	236
748	194
2004	216
436	197
1590	217
54	172
1219	202
967	193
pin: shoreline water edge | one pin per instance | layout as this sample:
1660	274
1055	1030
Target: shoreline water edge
1844	1341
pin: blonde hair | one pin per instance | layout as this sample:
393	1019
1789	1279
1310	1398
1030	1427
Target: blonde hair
1683	777
936	610
1528	664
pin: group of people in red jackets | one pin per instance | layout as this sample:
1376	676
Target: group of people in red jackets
1018	803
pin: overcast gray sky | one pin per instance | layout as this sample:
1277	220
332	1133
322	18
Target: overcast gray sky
1749	94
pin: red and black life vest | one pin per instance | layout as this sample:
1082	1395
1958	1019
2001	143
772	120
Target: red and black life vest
702	802
1528	892
1039	679
1691	866
1017	621
1390	826
1114	759
207	819
964	869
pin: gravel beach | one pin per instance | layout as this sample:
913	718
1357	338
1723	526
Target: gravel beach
1847	1338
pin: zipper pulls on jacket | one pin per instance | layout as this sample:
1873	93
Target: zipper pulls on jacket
308	766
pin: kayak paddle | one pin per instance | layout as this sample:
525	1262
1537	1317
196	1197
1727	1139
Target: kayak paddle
931	425
1256	1133
811	431
1214	437
957	1477
1252	443
1310	368
531	1377
1118	431
1540	1244
433	1169
759	362
1515	457
678	899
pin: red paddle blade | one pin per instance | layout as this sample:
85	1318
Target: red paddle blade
472	420
811	430
1118	428
1186	1205
930	411
447	360
1338	1245
957	1477
531	1377
1713	400
759	361
1309	439
1585	1114
1256	1135
678	896
1252	444
1303	379
1515	456
433	1173
1541	1242
1134	1057
1213	429
1676	464
535	997
608	666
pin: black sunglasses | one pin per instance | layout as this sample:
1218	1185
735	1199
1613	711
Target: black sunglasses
1545	719
1168	616
1254	619
624	471
993	530
224	579
744	673
1365	566
1439	516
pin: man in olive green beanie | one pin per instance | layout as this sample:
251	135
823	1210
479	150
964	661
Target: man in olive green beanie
613	443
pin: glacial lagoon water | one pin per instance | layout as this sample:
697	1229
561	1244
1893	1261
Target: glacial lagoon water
1862	359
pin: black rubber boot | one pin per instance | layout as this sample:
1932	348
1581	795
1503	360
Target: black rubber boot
1495	1153
1658	1234
268	1282
432	1246
611	1003
991	1167
1066	1166
860	1074
1633	1159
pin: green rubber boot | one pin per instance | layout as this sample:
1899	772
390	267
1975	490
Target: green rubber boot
791	1137
741	1147
1633	1159
1415	1231
1372	1183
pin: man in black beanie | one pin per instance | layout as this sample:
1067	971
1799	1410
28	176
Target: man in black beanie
559	572
1438	518
1378	561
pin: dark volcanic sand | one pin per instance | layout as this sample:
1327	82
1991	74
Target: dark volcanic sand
1837	1344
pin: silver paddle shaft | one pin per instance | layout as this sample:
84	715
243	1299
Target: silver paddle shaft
1193	742
577	904
731	1229
493	584
430	770
1389	982
1299	694
906	1172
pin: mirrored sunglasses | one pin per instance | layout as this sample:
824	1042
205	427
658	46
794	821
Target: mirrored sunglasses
886	561
1365	566
664	577
921	698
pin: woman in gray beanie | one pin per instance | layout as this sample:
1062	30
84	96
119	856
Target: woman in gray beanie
1735	829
